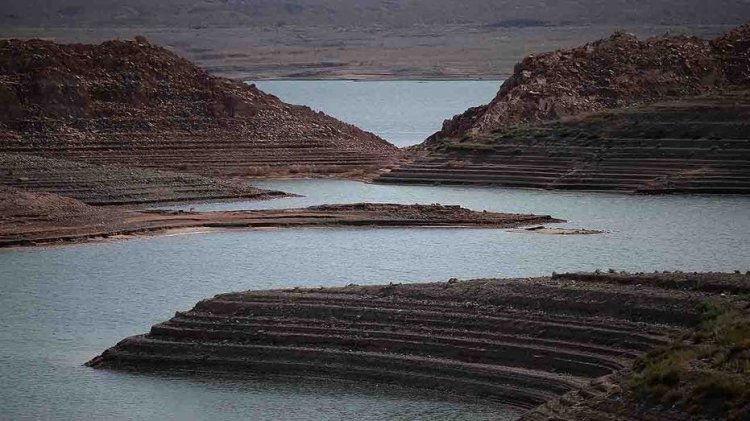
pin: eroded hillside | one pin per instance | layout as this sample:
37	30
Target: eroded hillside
133	103
664	115
614	72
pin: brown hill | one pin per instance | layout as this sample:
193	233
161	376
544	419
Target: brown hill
697	144
141	105
609	73
658	116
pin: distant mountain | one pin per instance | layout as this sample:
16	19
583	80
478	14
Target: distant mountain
503	13
363	39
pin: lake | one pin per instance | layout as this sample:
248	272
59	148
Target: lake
60	306
402	112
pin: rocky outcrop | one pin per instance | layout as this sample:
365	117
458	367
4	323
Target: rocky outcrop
698	144
609	73
95	223
133	103
520	342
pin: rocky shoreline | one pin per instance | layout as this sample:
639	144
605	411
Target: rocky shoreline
518	342
30	219
664	115
693	145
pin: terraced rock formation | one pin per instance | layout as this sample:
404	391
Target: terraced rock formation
117	185
44	224
659	116
135	104
697	144
519	342
609	73
699	375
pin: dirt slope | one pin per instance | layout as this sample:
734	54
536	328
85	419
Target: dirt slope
20	203
117	185
35	212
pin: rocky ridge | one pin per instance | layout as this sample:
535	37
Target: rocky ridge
665	115
608	73
133	103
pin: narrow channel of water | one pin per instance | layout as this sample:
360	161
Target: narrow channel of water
401	112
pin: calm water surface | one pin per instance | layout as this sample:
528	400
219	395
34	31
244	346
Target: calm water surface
60	306
401	112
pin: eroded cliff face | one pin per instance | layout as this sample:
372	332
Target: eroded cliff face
609	73
136	95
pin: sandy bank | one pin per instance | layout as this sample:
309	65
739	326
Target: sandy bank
89	222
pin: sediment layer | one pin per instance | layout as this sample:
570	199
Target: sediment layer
117	185
44	225
519	342
135	104
698	144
